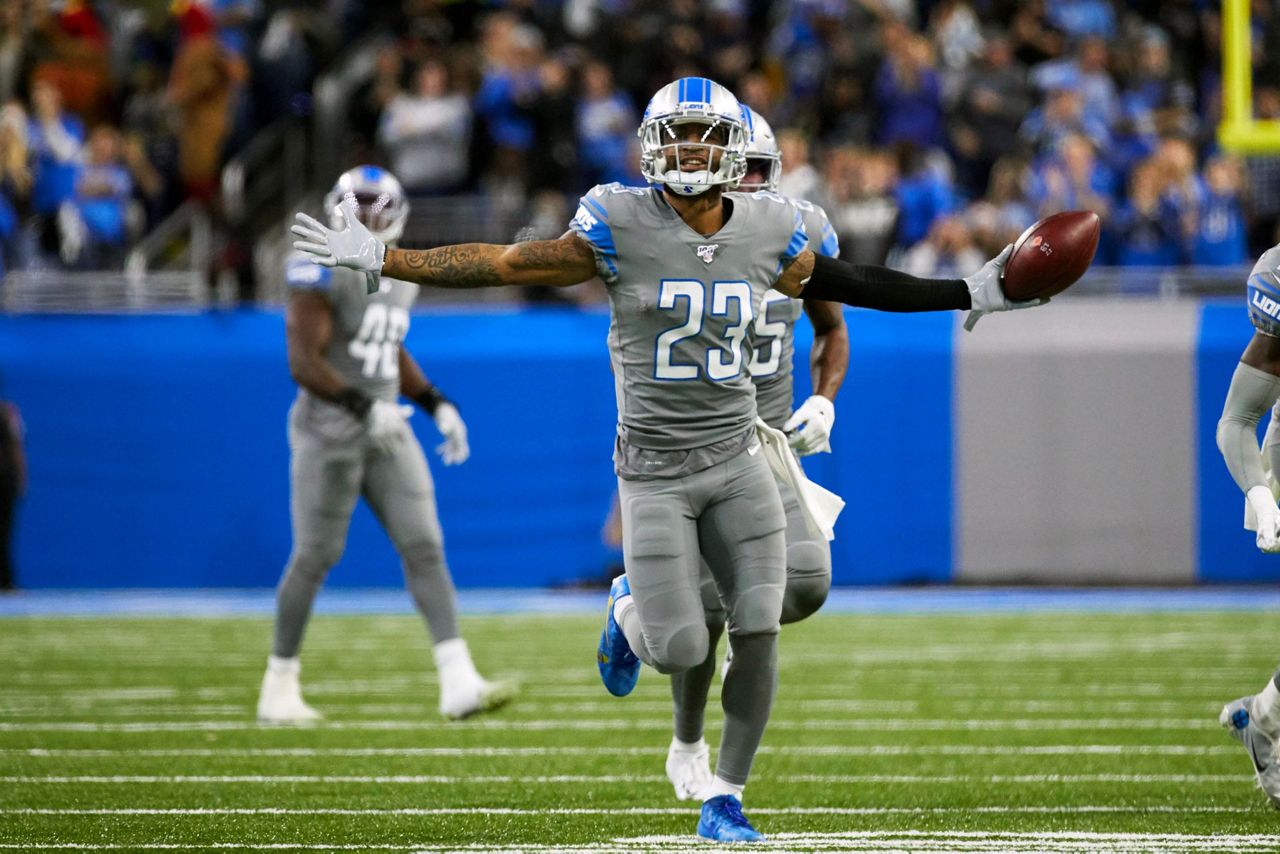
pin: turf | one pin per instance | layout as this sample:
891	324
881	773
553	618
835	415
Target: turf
1027	732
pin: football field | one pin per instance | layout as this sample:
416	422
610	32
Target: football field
1048	731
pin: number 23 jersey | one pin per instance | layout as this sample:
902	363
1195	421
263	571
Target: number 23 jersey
682	309
365	345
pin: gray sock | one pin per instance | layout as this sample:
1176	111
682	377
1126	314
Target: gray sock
427	577
747	698
689	690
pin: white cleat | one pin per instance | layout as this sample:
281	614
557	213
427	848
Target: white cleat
280	701
689	770
460	701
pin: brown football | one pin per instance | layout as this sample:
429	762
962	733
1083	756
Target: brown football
1051	255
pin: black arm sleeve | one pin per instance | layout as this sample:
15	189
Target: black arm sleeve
883	289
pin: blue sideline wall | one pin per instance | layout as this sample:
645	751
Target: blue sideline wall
158	454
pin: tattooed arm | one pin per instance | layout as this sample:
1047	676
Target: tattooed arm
566	261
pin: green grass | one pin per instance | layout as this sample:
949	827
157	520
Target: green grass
930	732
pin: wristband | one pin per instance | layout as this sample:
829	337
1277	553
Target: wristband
354	401
430	398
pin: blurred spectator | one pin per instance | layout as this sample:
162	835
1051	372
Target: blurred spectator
554	161
923	194
1089	70
233	19
948	251
13	32
54	138
370	101
95	223
1072	178
507	91
606	123
1063	115
958	40
1152	87
862	209
1219	238
427	133
13	485
1147	231
151	141
992	104
1010	180
75	60
908	93
1083	17
202	86
1034	38
799	179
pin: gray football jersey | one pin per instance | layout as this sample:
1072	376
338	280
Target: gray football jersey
365	346
773	333
682	309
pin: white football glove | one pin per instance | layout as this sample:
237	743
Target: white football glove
809	427
1262	515
384	424
454	449
986	293
354	246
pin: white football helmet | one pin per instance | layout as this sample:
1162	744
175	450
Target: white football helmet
763	154
693	100
380	201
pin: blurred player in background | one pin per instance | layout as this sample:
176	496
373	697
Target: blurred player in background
685	268
1255	388
13	483
771	366
349	437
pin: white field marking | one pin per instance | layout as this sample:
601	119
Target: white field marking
569	724
130	711
656	750
554	779
610	811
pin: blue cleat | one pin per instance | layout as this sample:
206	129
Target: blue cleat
1237	718
619	667
722	820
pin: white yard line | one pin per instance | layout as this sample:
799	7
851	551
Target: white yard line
572	725
655	750
432	779
610	811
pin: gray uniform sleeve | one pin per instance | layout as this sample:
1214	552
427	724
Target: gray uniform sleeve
1252	393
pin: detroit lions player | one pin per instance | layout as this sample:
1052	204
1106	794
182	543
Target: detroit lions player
348	438
686	267
809	428
1255	388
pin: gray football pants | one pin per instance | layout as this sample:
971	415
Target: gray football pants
808	583
326	477
731	515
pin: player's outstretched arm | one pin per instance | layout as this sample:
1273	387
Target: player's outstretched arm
559	263
813	276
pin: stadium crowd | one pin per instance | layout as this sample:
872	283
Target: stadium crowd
932	130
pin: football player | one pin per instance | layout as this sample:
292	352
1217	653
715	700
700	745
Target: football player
809	428
349	438
686	267
1255	388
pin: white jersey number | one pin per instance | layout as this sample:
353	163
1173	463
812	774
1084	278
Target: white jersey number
688	296
768	335
377	344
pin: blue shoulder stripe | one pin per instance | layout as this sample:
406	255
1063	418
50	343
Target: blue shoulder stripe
595	230
830	241
304	273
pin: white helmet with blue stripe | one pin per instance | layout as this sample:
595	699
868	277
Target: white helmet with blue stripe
764	157
688	167
380	201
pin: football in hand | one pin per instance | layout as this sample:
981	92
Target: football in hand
1051	255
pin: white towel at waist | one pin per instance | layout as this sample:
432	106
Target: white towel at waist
821	507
